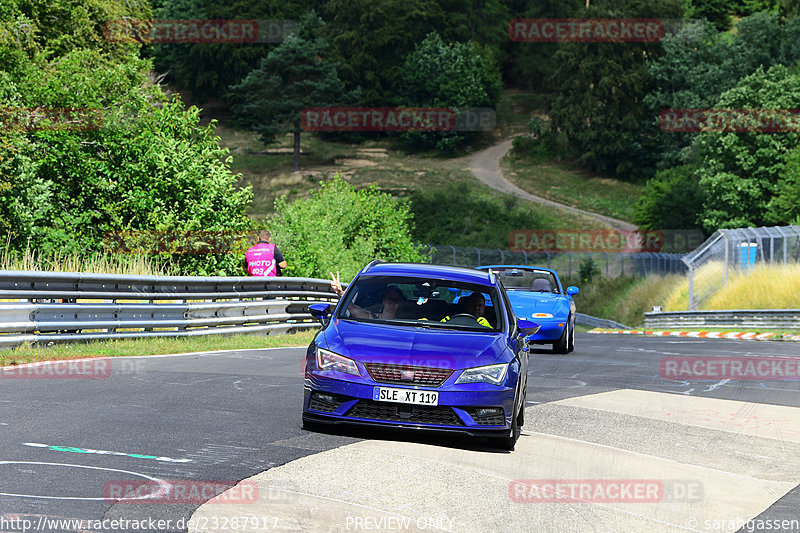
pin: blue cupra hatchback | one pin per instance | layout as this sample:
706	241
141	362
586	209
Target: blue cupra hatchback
420	347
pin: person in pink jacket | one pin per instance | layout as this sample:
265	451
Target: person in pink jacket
264	259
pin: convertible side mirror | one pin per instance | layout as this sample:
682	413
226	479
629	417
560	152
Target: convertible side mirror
572	290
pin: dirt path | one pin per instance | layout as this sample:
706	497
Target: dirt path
486	167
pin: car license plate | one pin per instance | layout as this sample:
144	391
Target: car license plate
416	397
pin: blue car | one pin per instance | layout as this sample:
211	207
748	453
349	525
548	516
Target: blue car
420	347
537	294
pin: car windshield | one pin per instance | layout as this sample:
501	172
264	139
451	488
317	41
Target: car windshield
422	302
527	279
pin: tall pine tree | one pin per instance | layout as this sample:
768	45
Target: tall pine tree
291	78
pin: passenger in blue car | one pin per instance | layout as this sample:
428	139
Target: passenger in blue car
391	301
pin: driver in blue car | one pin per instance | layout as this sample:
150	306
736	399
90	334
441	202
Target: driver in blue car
474	305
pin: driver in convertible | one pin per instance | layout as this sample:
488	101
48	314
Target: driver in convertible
474	305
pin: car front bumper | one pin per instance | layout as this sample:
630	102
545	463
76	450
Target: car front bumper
456	410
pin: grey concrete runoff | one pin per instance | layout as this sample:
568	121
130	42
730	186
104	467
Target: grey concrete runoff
402	486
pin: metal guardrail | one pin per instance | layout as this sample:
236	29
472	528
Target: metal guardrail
593	321
68	306
764	318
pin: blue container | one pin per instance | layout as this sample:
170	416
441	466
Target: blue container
747	254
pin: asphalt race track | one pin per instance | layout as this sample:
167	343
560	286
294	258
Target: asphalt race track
719	453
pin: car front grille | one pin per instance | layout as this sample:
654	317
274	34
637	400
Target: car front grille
416	414
426	376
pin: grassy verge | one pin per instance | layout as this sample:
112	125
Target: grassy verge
109	263
762	287
154	346
624	299
561	183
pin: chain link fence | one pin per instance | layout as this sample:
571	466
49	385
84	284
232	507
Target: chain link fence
566	263
731	251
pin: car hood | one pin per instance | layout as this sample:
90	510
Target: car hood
527	303
406	345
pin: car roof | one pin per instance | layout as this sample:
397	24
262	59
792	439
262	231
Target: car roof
427	270
523	267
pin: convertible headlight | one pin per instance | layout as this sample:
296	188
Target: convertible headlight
327	360
494	374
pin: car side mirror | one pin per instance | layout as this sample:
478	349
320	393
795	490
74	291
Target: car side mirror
320	311
572	290
526	327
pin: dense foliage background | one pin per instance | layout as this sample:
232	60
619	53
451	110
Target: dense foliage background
150	165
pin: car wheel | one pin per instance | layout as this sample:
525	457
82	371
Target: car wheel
571	345
560	346
521	415
508	443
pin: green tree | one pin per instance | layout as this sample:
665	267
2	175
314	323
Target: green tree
740	172
784	207
208	69
699	64
341	228
291	78
371	38
598	92
134	161
458	76
716	12
670	200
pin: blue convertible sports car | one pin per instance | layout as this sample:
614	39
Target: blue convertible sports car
537	294
421	347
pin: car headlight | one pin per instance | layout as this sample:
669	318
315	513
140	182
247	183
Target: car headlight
494	374
327	360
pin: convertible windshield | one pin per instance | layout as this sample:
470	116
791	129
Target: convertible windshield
423	302
527	279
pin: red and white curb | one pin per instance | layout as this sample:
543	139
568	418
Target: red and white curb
749	335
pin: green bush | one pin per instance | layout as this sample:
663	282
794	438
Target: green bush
341	228
588	269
